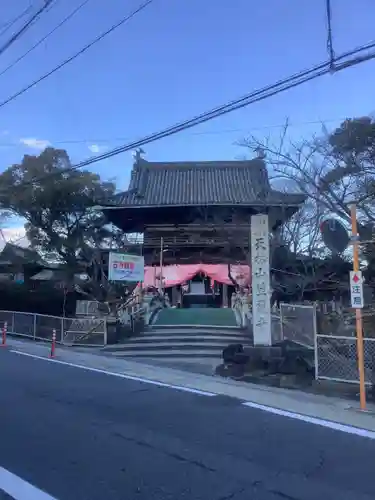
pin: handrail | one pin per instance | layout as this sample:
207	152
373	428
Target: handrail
138	311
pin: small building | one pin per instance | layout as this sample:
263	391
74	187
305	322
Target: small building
198	212
19	263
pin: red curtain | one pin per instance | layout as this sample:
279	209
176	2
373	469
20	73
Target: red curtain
177	274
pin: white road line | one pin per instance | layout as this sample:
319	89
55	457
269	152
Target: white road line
116	374
20	489
348	429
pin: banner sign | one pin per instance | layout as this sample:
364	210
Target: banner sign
125	267
356	289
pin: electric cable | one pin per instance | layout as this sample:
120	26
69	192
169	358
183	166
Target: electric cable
256	96
207	132
26	26
10	23
77	54
331	52
39	42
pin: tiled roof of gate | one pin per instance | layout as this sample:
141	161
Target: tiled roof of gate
201	183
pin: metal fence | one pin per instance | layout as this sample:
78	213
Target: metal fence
70	331
85	331
336	359
298	323
87	308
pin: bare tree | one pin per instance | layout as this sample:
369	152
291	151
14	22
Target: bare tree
314	168
301	232
333	170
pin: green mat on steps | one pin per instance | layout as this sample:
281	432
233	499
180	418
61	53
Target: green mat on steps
196	316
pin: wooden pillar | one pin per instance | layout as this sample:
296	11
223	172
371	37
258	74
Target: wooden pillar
225	295
174	295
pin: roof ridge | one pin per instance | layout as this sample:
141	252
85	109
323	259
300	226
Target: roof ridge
200	164
204	182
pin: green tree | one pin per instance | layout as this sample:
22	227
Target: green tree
57	206
353	146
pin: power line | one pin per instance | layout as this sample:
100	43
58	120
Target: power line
26	26
204	133
256	96
77	54
10	23
331	52
65	20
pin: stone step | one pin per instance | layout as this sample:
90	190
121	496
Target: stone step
195	328
138	346
179	332
178	339
196	316
171	353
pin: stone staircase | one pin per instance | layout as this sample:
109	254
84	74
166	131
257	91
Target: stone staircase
195	316
185	335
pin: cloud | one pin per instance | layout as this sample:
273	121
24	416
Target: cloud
34	143
95	148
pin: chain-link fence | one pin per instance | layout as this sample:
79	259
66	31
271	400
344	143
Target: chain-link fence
298	323
85	331
276	328
336	359
342	323
87	308
71	331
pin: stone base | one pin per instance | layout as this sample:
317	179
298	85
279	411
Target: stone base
282	365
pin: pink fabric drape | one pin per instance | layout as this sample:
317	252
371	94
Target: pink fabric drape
177	274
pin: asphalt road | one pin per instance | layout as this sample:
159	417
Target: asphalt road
80	435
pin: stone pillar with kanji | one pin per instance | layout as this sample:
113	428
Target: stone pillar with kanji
260	279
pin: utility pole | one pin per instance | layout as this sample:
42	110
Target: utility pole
358	312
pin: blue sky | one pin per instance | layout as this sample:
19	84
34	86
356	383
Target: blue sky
176	59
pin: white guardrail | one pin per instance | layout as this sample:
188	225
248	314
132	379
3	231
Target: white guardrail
70	331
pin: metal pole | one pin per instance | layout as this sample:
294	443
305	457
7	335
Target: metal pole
281	321
358	312
4	341
161	266
34	326
62	329
53	344
316	345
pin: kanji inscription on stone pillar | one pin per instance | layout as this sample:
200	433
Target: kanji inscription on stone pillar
260	271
